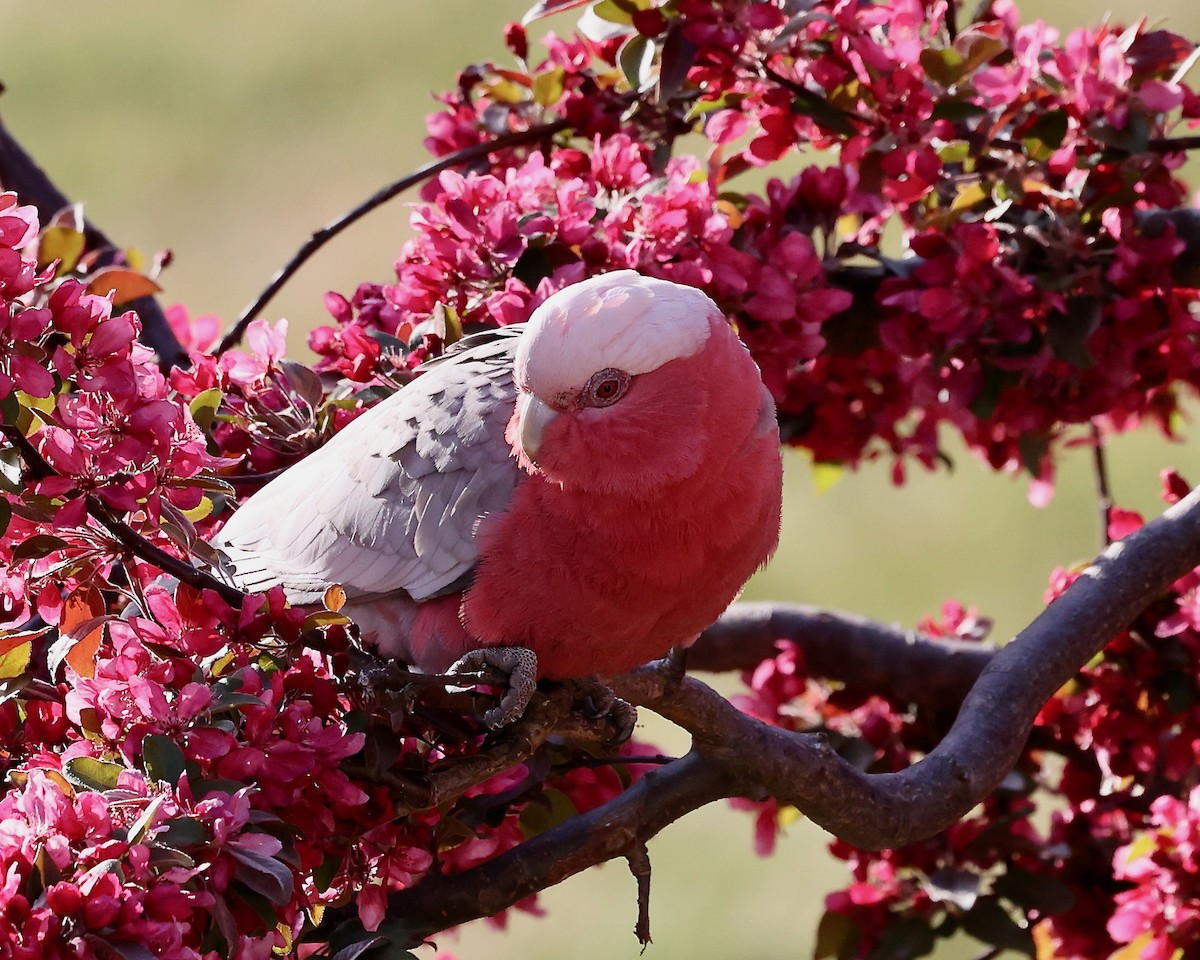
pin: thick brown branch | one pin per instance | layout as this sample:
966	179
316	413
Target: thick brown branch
21	174
611	830
325	234
860	653
992	725
734	754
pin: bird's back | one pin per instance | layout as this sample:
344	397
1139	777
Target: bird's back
390	503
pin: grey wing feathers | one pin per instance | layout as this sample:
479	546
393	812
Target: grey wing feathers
392	501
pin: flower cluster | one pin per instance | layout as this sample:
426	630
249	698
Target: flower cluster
187	777
990	243
1035	292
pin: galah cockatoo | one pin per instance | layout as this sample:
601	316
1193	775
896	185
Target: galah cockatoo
594	487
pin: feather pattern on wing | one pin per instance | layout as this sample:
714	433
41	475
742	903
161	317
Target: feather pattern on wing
391	502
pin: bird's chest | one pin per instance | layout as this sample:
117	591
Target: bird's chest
599	585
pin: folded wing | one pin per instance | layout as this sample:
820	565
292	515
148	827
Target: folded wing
391	502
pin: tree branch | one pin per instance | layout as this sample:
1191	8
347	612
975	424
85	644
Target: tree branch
450	778
860	653
131	540
992	725
19	173
611	830
735	755
328	232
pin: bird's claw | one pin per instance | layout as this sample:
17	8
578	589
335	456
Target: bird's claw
600	701
519	664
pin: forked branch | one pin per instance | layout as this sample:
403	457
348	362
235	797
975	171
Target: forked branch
735	755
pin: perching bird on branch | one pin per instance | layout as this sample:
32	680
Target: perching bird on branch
593	487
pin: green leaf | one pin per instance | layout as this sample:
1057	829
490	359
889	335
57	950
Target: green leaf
10	409
182	832
957	151
548	86
138	831
826	474
1046	134
636	60
37	547
1032	447
202	788
14	660
64	244
550	809
10	470
204	407
1034	891
446	324
533	266
163	759
943	66
957	111
227	700
904	940
819	109
989	922
326	870
837	937
613	12
325	618
92	774
977	49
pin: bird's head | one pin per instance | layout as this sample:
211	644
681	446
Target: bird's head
617	376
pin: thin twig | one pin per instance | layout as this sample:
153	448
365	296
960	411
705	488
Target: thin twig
650	760
639	865
1173	144
133	542
328	232
1104	500
181	570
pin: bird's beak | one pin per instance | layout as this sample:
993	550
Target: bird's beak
535	418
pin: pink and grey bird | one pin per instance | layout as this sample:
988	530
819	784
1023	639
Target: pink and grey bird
595	486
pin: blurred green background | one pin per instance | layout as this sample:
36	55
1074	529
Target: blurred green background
227	131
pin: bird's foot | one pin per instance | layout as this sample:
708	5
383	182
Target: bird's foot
517	664
598	700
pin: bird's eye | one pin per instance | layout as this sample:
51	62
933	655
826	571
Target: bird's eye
605	387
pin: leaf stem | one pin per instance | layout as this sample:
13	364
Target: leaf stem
1104	500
